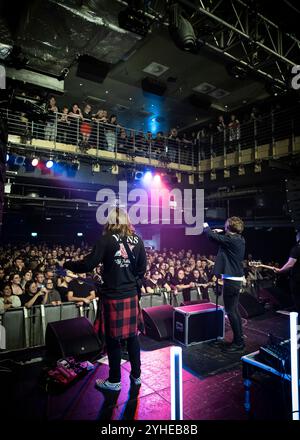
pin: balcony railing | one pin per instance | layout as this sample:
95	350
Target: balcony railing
271	136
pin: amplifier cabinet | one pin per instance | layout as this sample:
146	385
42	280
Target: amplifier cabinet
198	323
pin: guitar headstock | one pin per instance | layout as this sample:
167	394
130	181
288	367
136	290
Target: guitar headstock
254	263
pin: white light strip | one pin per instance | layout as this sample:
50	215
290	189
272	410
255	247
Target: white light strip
176	383
294	365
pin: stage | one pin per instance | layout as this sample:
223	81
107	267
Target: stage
212	384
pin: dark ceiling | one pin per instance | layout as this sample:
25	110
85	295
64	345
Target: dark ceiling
51	34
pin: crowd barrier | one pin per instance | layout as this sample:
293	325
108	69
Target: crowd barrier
26	328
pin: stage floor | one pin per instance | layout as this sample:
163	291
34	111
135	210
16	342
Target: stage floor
212	385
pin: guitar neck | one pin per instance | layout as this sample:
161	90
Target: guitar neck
264	266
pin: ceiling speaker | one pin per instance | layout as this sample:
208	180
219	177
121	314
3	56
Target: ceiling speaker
154	86
92	69
201	102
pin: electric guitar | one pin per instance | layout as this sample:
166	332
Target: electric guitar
259	264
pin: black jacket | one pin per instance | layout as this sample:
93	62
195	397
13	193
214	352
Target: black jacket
118	278
230	255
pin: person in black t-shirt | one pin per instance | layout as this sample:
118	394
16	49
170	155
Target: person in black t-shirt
293	264
156	282
81	292
182	282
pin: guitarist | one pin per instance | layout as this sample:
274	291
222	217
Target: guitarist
229	264
293	264
118	246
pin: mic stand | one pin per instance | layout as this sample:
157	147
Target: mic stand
216	340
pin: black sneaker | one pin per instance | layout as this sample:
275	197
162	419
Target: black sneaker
234	348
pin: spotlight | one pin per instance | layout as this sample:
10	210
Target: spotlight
33	234
49	163
157	179
35	162
147	177
181	30
79	234
19	160
138	175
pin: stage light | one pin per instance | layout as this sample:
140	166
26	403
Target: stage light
7	157
181	30
33	234
147	177
35	162
19	160
157	179
49	164
79	234
138	175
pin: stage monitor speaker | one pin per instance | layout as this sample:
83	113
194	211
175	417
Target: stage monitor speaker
249	306
72	337
154	86
159	322
92	69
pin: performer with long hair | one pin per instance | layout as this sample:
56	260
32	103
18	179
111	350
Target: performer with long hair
119	293
229	264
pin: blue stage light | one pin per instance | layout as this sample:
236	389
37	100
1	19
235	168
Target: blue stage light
49	164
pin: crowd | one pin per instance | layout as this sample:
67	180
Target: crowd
89	127
29	276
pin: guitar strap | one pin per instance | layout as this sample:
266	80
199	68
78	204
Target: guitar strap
133	264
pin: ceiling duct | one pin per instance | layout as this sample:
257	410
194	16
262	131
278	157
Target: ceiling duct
75	28
37	79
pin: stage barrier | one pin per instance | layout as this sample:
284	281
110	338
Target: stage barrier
27	327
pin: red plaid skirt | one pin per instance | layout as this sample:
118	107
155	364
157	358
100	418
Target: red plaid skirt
119	318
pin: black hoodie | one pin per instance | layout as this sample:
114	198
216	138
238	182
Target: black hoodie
119	280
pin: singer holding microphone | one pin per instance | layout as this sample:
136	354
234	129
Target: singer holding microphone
229	264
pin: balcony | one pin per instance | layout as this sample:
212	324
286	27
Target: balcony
270	137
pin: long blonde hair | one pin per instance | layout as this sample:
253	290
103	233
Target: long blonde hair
118	222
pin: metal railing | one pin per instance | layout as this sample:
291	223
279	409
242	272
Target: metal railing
102	141
27	327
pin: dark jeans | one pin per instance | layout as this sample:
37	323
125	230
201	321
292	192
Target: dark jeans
231	295
114	357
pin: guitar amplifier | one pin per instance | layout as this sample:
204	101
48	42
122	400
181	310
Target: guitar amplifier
198	323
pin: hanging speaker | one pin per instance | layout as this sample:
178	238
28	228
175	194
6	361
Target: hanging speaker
201	102
92	69
153	86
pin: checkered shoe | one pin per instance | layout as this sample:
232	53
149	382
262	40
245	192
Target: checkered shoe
106	385
136	381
